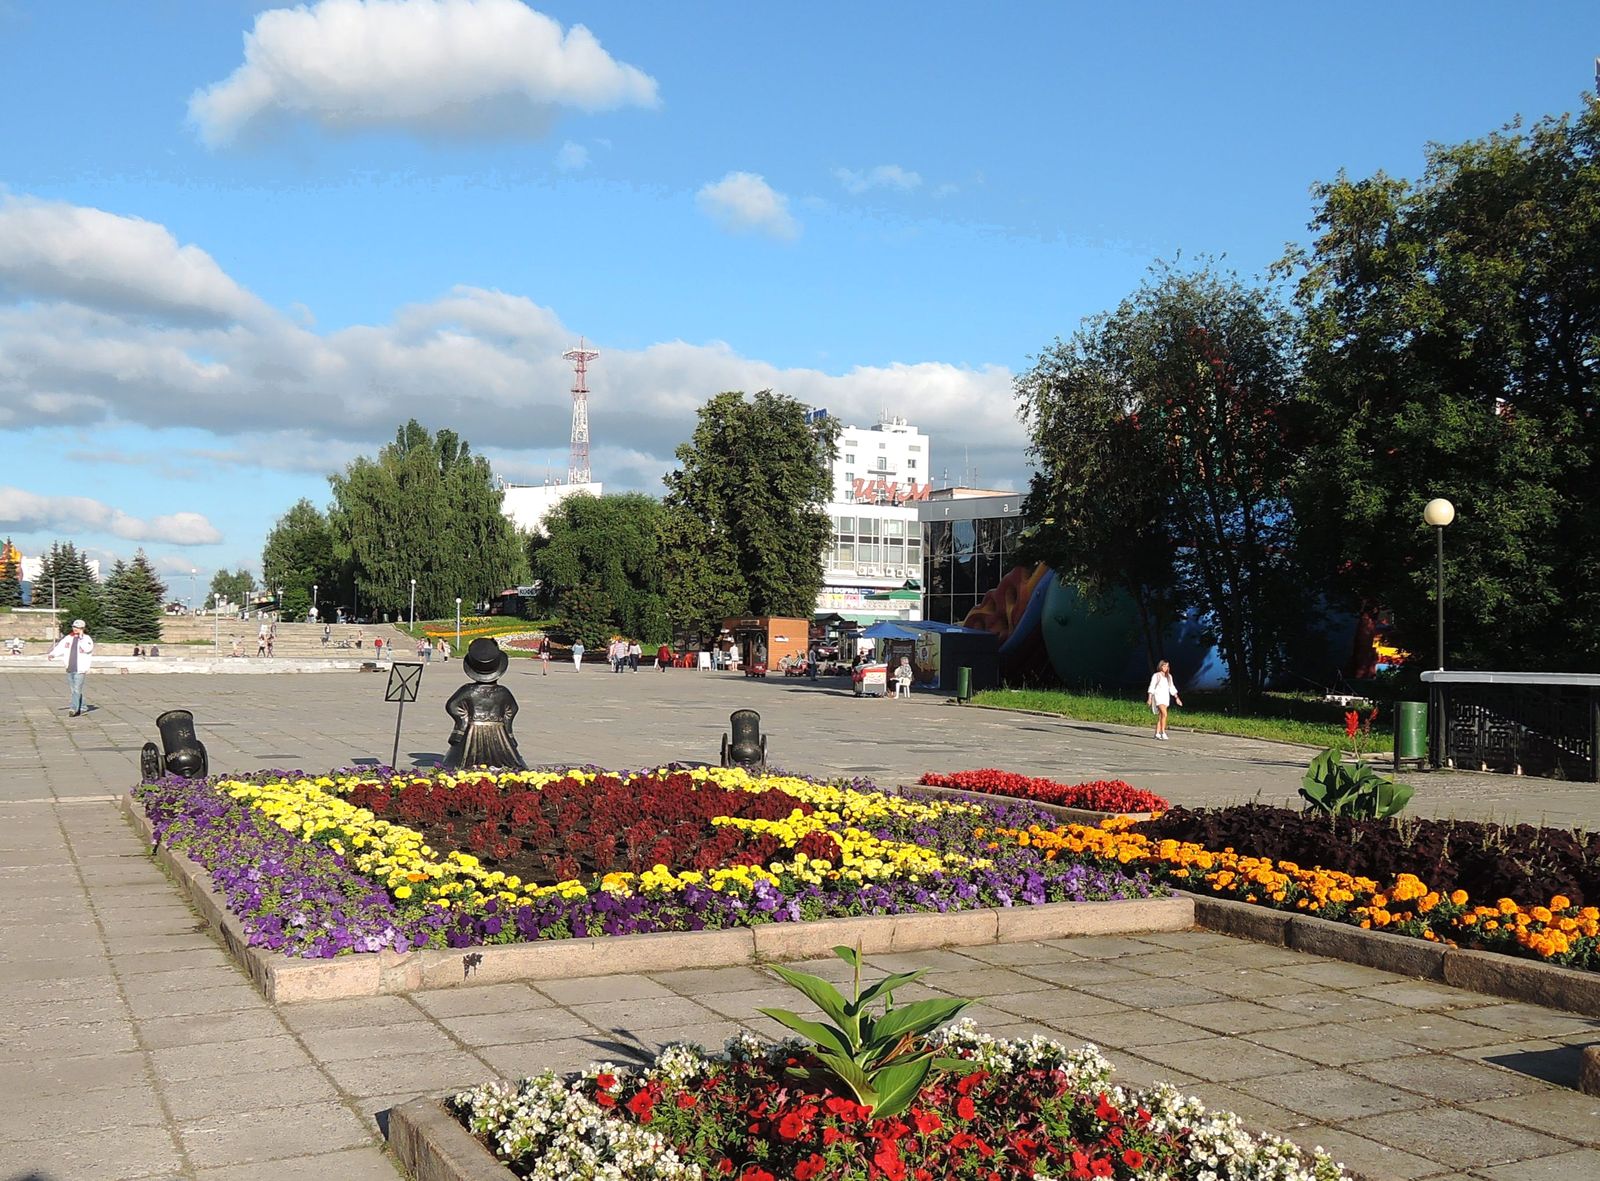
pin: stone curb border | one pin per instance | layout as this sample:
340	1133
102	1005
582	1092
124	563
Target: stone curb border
1484	972
434	1146
283	979
1060	811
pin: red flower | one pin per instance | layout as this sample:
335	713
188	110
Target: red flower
927	1121
756	1174
808	1168
605	1081
605	1100
685	1100
1133	1158
1100	1166
1104	1110
1352	723
643	1106
887	1158
791	1126
966	1108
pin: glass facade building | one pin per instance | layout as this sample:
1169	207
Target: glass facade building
968	546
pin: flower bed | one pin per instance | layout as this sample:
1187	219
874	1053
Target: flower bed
1099	795
1020	1109
459	860
1560	932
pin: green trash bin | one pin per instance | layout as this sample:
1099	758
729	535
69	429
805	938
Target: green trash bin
1410	731
964	683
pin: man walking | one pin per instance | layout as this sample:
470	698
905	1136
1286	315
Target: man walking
77	649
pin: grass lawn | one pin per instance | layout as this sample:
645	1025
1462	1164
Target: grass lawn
1205	711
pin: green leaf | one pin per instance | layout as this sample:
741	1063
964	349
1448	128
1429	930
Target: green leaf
852	1075
849	955
820	993
897	1087
885	987
919	1017
825	1036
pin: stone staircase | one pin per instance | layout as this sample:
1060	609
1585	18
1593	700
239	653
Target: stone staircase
195	635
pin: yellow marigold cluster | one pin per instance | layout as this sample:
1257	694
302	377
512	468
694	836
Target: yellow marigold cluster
1406	906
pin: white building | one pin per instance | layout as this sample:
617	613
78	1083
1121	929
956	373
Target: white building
31	569
528	504
879	473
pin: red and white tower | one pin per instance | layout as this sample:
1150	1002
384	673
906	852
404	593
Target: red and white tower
578	466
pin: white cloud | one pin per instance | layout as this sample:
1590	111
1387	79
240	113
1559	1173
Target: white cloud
49	249
743	202
26	512
429	67
276	394
572	157
884	176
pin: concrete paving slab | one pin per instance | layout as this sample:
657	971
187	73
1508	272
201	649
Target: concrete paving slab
249	1137
198	1099
132	1152
1451	1079
597	989
210	1060
198	1028
490	998
1329	1094
528	1025
1221	1059
1459	1139
1563	1166
1333	1045
1365	1156
358	1164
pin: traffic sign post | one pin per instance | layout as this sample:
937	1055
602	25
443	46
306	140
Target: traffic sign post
405	678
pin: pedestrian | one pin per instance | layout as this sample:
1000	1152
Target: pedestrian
544	656
663	657
238	646
77	649
358	637
577	655
615	651
1162	692
261	640
377	647
327	632
444	649
635	651
424	651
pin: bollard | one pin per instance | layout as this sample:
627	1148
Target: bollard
964	683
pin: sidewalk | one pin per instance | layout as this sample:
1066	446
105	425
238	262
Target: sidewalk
133	1048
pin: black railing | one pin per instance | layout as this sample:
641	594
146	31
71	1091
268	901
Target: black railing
1545	724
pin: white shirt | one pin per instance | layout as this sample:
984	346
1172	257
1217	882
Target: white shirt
1162	690
85	650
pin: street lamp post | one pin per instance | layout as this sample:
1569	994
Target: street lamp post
216	614
413	604
192	586
458	623
278	604
313	602
1439	512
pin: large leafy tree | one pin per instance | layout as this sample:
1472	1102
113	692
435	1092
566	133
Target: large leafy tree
234	585
425	508
297	556
1453	349
131	600
746	528
600	565
1159	434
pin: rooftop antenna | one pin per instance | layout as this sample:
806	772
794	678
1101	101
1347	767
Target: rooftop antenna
578	466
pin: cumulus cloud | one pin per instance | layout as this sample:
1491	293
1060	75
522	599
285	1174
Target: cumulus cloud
572	157
27	512
53	250
428	67
277	394
884	176
743	202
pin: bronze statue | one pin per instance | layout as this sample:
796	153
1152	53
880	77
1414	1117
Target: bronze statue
483	712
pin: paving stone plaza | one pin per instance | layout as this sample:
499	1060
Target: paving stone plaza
133	1047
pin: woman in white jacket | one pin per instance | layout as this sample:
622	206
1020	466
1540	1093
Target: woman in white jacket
1163	692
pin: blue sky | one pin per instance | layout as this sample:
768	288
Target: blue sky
240	244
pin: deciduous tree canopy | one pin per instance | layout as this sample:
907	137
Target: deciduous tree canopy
1163	460
297	556
425	508
600	566
1452	331
746	528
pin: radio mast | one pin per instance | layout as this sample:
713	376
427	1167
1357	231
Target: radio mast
578	466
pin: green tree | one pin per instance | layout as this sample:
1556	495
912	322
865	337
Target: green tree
297	556
746	528
425	508
1452	331
1159	433
131	601
83	603
609	544
10	576
64	568
234	586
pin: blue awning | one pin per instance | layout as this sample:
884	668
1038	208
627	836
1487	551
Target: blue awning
888	630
